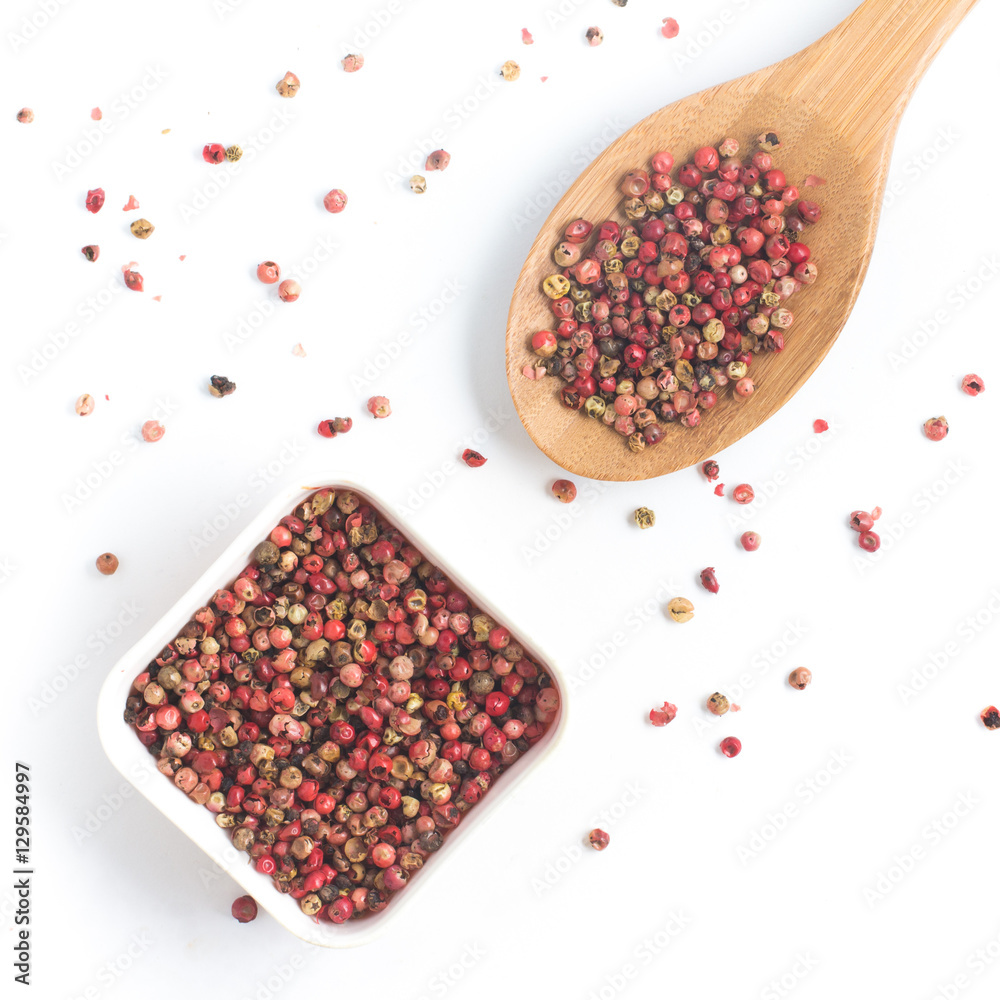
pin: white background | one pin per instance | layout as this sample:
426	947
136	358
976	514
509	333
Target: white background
121	905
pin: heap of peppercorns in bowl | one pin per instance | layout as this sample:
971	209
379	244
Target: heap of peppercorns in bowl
665	310
340	707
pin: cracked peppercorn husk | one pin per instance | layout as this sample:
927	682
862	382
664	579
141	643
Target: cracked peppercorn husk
594	36
288	85
233	153
990	717
26	116
800	678
219	385
349	705
142	229
510	70
644	517
680	609
91	252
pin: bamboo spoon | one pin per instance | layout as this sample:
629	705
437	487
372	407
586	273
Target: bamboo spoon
835	106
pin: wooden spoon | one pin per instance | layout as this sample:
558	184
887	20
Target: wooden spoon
836	108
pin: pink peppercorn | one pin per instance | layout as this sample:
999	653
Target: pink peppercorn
743	494
378	407
472	458
819	426
599	839
352	63
661	716
152	430
936	429
670	28
973	385
335	201
289	290
564	491
861	520
869	541
709	580
750	541
268	272
95	200
730	746
214	153
438	160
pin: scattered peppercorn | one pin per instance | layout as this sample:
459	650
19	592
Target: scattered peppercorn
819	426
244	909
645	518
594	36
95	200
85	405
288	85
936	428
214	152
268	272
598	839
711	470
730	746
709	580
438	160
861	520
418	184
800	678
133	279
472	458
750	541
681	609
107	563
219	385
718	704
670	28
378	407
26	116
743	494
234	153
564	491
91	251
337	425
510	70
289	290
352	63
152	431
990	717
973	385
661	716
335	201
142	229
869	541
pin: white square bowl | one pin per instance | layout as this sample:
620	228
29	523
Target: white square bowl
137	765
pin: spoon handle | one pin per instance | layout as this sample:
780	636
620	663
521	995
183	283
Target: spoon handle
862	74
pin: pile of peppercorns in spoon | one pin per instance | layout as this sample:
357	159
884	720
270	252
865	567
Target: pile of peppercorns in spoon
664	311
340	707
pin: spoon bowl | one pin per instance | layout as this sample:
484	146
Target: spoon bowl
835	107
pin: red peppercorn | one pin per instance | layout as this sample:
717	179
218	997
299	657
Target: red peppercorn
661	716
91	252
973	385
750	541
335	201
861	520
378	407
730	746
743	494
472	458
869	541
564	491
268	272
936	429
710	469
214	153
244	909
709	581
599	840
95	200
990	717
107	563
289	290
819	426
438	160
152	430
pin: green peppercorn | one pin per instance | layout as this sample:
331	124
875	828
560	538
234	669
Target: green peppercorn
681	609
644	517
636	443
630	245
675	195
233	153
595	406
